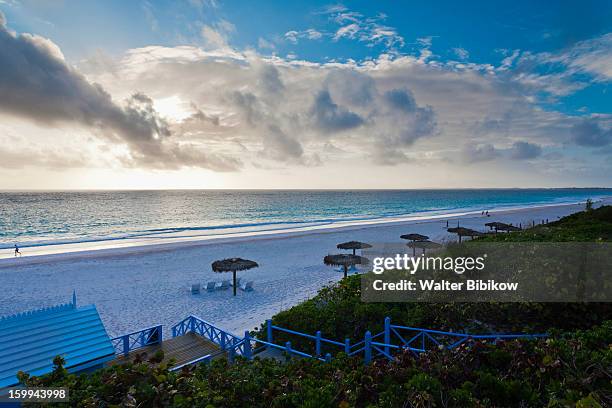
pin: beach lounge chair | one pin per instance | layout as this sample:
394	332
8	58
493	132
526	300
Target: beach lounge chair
195	289
210	286
247	286
224	285
352	268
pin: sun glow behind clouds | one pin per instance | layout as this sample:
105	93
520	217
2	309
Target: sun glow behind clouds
173	108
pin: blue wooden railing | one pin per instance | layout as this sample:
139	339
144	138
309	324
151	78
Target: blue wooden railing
224	339
132	341
393	339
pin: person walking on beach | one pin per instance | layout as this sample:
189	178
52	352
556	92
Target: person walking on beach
17	250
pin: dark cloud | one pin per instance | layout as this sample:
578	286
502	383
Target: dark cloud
590	133
401	99
247	102
330	117
479	153
201	116
424	124
279	146
409	121
525	150
36	83
270	79
350	87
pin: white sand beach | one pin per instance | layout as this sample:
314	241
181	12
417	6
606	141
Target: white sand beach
137	285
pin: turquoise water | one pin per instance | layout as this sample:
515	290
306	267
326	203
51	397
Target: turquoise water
40	218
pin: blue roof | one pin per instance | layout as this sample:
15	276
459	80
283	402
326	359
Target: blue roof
29	341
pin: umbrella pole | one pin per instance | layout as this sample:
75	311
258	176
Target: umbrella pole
234	282
353	251
345	270
413	249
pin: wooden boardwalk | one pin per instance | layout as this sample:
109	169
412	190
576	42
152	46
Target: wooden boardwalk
181	349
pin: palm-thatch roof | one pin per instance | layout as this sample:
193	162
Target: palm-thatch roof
501	226
233	264
495	225
353	245
415	237
424	245
345	260
466	232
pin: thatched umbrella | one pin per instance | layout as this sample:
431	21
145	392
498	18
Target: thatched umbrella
233	265
414	238
344	260
501	226
354	245
494	225
424	245
510	227
465	232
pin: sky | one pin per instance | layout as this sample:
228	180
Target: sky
304	94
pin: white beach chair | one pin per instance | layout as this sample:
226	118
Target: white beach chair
210	286
195	289
224	285
248	287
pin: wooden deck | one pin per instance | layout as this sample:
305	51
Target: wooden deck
182	349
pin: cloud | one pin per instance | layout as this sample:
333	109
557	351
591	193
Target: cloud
201	5
149	14
590	133
264	44
330	117
279	146
36	83
214	38
292	36
349	31
525	150
592	56
49	159
479	153
461	53
238	108
401	99
561	73
313	34
351	25
270	79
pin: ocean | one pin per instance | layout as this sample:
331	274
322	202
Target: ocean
47	218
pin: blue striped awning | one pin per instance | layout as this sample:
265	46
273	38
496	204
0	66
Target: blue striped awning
30	341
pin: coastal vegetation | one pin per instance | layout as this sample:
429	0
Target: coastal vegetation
572	367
